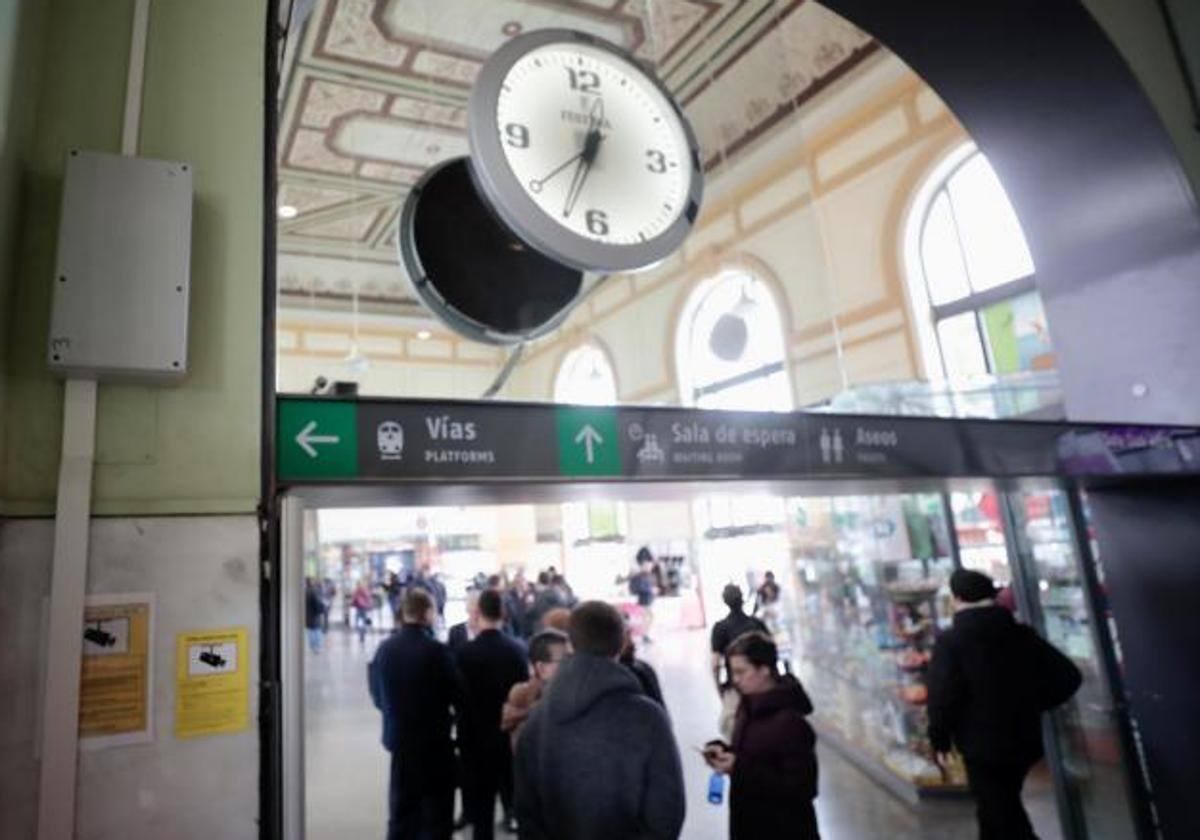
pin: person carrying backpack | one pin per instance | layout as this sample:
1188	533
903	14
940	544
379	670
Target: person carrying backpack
990	680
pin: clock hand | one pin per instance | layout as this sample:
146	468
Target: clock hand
591	146
537	183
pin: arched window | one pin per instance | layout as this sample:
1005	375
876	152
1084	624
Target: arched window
730	346
970	268
586	377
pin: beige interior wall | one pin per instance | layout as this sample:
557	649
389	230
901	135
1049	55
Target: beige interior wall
822	223
817	210
22	42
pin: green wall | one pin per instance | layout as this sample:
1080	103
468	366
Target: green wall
191	447
22	35
1140	34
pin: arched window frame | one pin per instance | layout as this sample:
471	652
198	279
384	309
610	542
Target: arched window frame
928	315
689	393
609	371
600	520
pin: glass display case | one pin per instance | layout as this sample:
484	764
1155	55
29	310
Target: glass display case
871	576
1095	787
979	528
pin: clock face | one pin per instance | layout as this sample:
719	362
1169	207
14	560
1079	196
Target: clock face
582	153
636	181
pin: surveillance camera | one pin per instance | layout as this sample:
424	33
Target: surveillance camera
99	637
211	659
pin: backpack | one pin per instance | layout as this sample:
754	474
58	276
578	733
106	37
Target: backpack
1057	676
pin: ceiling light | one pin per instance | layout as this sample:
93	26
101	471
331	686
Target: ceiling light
355	361
287	211
424	334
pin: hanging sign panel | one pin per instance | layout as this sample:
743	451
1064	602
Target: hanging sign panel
212	682
321	439
116	680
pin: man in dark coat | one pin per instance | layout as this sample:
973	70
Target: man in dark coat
491	664
596	759
463	632
640	668
735	624
990	679
414	683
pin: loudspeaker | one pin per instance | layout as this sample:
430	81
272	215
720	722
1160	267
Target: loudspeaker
471	271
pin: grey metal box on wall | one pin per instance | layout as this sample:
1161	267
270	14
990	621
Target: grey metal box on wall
121	286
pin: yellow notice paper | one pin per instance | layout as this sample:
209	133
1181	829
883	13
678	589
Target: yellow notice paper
212	686
114	685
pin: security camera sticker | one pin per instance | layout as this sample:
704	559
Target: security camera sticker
205	660
106	637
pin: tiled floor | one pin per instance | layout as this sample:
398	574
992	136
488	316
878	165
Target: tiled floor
346	767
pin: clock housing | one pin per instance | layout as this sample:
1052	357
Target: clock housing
582	153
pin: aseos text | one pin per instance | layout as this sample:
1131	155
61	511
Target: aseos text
444	428
877	437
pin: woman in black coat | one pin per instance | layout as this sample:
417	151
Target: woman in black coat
772	763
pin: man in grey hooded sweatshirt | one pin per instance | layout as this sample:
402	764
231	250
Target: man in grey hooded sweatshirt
596	760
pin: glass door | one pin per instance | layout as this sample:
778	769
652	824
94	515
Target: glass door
1087	743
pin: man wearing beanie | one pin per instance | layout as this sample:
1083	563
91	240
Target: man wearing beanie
990	680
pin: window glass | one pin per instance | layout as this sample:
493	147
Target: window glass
1017	337
962	352
731	347
991	236
970	242
941	255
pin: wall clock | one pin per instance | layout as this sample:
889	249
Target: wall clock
583	153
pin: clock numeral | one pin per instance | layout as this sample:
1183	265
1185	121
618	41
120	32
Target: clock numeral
656	161
584	81
517	135
597	222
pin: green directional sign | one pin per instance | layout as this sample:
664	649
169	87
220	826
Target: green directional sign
317	439
587	441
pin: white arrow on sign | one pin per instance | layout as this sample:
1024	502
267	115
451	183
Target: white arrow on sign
589	437
306	439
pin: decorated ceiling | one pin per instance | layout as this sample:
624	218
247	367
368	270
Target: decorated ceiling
375	92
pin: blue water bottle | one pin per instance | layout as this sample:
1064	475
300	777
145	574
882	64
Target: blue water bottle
716	788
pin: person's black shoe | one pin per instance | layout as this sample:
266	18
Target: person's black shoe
510	824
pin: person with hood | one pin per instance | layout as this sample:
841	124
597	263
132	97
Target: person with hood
772	762
596	759
990	679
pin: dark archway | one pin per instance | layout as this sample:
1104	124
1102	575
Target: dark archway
1113	226
1109	214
